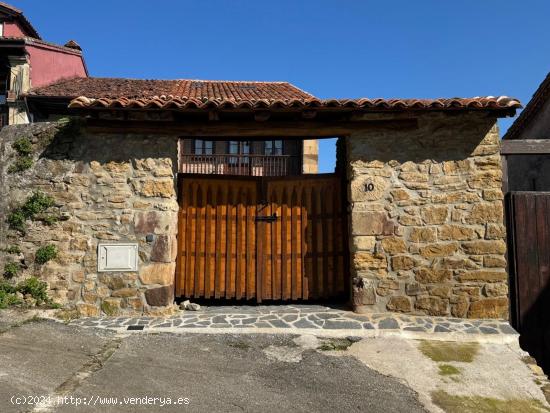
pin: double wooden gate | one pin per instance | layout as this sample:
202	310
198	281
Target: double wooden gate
528	218
258	238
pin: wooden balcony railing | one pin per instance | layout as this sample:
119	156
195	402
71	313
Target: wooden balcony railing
250	165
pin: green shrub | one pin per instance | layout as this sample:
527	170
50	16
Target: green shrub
45	254
12	249
36	204
7	287
22	163
23	146
16	220
10	270
36	288
8	299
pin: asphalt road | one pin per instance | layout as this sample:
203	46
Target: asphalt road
195	373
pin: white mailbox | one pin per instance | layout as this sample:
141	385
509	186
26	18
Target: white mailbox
117	257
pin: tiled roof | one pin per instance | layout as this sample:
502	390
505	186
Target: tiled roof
115	88
540	97
227	95
18	15
184	103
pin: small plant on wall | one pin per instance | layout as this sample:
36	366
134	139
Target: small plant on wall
23	161
10	270
45	254
36	204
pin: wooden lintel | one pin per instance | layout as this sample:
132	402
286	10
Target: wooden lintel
309	114
525	146
262	116
249	129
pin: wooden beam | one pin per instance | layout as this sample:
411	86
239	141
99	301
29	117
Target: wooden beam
248	129
213	116
309	114
525	146
262	116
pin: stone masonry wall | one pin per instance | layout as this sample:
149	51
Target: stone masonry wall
427	233
106	188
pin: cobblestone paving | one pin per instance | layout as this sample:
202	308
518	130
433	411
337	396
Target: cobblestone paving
300	317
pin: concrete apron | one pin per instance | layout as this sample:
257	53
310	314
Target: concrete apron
318	321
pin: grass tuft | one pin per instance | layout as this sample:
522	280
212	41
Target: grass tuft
444	351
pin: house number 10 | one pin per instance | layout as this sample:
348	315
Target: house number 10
369	187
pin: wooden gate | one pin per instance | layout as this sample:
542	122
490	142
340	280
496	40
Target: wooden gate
261	238
528	218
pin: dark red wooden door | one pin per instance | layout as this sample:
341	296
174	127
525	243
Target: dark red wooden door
528	217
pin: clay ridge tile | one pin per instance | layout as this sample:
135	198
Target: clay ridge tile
170	102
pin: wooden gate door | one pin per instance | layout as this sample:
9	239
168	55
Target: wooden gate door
528	217
276	239
302	241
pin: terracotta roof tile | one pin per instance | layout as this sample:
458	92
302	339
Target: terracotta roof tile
182	103
191	89
184	95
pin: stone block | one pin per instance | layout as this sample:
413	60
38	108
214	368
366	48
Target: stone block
434	214
456	233
161	296
371	223
403	262
489	308
459	306
483	276
150	188
363	243
157	273
155	222
422	234
432	305
87	310
486	212
432	275
438	250
385	287
163	249
495	290
125	292
400	304
484	247
393	245
490	261
495	231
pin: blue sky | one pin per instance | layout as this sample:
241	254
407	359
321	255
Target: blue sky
400	48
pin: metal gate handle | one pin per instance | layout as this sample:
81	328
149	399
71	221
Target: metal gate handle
269	218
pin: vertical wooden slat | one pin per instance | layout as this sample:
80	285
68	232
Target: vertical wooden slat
338	241
267	253
284	246
325	244
208	250
303	251
190	259
315	284
219	243
251	243
182	249
229	242
199	231
294	243
276	242
239	248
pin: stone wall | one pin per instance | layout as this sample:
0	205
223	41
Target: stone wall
106	188
427	233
